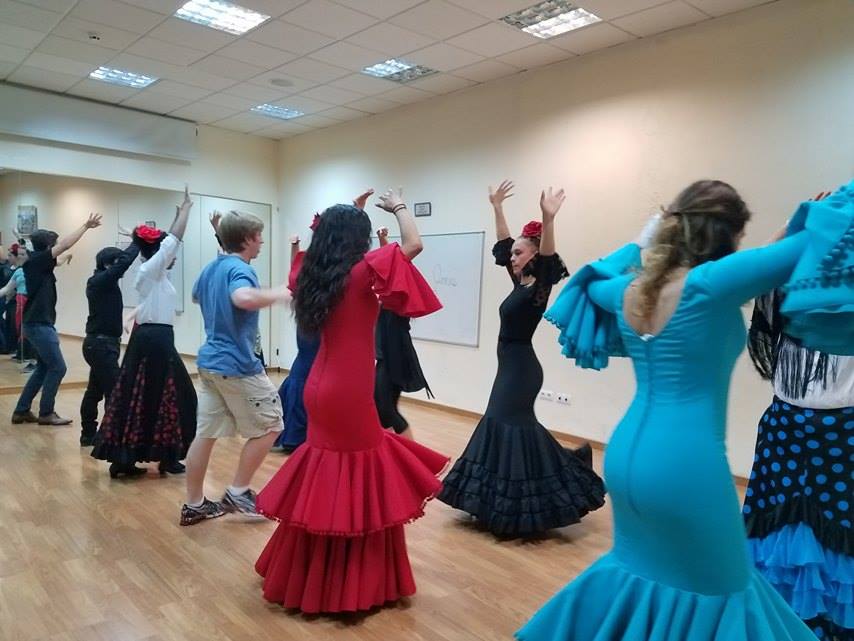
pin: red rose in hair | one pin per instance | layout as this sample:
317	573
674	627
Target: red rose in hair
533	229
314	222
148	234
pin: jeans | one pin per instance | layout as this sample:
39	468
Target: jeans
102	355
49	372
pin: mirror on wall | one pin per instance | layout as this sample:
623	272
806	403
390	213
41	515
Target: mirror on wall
61	203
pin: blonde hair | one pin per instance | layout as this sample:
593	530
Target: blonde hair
236	227
703	223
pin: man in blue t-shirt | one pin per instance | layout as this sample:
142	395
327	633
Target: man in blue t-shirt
236	395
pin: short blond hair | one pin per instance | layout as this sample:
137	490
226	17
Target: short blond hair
236	227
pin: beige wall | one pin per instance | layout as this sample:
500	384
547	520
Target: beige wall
758	98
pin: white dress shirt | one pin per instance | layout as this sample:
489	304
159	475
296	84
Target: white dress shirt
157	296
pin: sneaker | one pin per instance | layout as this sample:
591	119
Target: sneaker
24	417
29	368
53	419
242	503
207	510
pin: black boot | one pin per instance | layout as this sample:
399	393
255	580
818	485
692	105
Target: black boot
117	469
172	467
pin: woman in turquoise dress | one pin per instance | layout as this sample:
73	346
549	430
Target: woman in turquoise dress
679	569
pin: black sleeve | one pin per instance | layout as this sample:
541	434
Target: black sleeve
40	262
548	271
502	250
123	262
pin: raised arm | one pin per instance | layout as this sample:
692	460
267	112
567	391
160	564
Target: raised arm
123	262
295	241
410	239
497	198
68	241
182	215
550	203
214	221
382	236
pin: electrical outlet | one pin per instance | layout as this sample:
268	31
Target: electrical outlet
547	395
563	399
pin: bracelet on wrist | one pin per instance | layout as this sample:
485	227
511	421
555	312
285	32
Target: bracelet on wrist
397	208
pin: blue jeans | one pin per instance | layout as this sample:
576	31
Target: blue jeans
49	372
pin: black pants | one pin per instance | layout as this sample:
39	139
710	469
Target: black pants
386	396
102	355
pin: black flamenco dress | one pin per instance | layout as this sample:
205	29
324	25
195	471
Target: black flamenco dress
513	476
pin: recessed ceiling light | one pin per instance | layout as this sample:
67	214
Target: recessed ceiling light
281	82
551	18
222	15
398	70
275	111
121	77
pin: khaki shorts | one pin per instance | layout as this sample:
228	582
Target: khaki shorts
245	405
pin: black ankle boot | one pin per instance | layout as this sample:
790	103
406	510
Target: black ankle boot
172	467
117	469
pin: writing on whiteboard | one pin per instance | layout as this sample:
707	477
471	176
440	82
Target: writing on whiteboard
440	279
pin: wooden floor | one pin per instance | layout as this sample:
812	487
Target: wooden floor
84	558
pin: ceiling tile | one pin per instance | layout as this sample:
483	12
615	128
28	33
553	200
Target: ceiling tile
50	62
165	7
330	19
295	85
241	103
597	36
332	95
443	57
318	121
244	122
41	78
536	56
28	16
257	93
288	37
116	14
108	37
60	6
379	8
103	91
204	112
6	68
390	39
181	90
608	9
273	8
349	56
405	95
227	68
13	54
199	78
155	102
314	70
373	105
658	19
343	113
194	36
721	7
20	37
304	104
486	70
256	54
276	133
443	83
495	8
178	73
493	39
165	51
438	19
364	84
74	50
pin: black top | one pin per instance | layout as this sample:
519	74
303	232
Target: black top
523	308
5	272
105	297
41	288
397	353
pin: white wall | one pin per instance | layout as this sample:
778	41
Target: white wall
762	99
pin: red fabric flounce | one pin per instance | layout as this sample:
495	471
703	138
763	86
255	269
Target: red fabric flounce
353	493
399	285
296	265
335	574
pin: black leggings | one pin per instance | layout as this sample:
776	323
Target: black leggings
386	396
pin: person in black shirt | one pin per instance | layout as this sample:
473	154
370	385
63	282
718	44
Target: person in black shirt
103	333
7	323
39	320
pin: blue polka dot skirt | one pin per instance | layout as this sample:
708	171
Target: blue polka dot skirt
799	509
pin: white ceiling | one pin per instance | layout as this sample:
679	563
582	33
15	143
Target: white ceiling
318	46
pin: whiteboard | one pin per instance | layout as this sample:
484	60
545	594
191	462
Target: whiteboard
453	265
130	298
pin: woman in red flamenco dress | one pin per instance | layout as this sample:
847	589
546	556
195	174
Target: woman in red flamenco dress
343	497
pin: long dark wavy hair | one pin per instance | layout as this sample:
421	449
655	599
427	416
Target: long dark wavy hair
342	238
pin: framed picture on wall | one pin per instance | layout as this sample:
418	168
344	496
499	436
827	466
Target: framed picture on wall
28	219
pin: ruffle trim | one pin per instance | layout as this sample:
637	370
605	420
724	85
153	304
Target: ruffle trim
399	285
609	603
127	455
813	580
353	493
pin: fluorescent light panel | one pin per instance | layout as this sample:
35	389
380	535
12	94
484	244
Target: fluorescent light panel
218	14
275	111
551	18
398	70
123	78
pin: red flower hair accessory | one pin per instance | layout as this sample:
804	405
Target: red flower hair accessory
533	229
314	222
148	234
